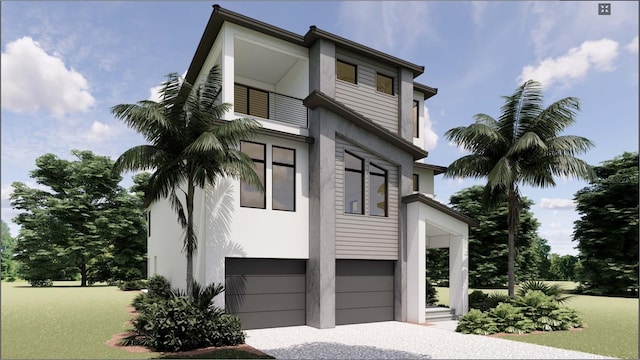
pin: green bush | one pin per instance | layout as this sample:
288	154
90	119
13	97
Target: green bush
132	285
545	312
432	294
41	283
510	319
483	301
477	322
159	286
553	290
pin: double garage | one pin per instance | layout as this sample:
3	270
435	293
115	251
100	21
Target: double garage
268	293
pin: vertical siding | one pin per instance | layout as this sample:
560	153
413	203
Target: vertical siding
363	97
364	236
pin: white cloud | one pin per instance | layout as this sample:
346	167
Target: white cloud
430	136
567	204
5	192
154	93
478	9
574	65
99	131
33	79
632	47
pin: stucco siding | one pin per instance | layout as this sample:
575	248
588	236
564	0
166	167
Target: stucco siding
366	236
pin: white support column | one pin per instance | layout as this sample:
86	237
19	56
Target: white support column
416	264
228	69
458	274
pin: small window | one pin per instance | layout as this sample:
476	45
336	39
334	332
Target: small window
250	101
416	119
416	182
250	196
346	72
353	184
284	178
384	84
377	191
148	223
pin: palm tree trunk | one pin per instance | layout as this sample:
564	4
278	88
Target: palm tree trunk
512	221
190	240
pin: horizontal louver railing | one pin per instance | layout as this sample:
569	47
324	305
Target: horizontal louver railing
288	110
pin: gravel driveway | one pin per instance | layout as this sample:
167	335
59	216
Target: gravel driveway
395	340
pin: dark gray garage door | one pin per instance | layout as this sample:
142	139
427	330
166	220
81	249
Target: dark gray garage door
364	291
266	292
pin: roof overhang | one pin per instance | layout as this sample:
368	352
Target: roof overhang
437	170
422	198
318	98
427	91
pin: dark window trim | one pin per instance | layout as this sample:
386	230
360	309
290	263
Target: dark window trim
264	175
393	83
416	127
247	87
294	175
148	223
361	172
386	187
355	70
416	182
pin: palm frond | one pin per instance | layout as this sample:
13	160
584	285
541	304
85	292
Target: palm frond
473	165
569	145
141	157
528	142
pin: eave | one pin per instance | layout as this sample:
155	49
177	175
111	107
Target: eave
437	170
440	207
427	91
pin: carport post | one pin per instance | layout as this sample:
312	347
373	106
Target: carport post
416	264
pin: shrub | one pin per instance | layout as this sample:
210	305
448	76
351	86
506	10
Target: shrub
544	311
477	300
477	322
553	290
432	294
41	283
159	286
510	319
132	285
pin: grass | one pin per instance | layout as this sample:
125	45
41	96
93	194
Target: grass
612	325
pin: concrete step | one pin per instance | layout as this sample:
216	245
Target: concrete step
433	314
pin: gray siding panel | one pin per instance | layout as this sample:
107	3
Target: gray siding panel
364	236
363	97
266	292
364	291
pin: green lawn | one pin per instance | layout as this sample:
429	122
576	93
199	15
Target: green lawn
612	326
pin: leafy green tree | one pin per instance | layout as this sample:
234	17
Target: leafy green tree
7	250
189	147
523	147
563	267
487	256
76	220
607	231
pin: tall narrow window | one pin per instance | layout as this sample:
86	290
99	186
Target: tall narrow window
416	119
346	72
377	191
284	178
250	101
353	184
384	84
148	223
250	196
416	182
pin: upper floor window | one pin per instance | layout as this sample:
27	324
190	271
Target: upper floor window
250	196
377	191
416	182
284	178
384	84
346	72
251	101
416	119
353	184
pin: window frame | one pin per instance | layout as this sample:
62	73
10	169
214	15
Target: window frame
264	174
383	173
416	119
362	174
393	83
281	164
355	71
247	92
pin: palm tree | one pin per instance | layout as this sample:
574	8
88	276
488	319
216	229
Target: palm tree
522	147
189	146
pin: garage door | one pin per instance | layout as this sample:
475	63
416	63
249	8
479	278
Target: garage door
266	292
364	291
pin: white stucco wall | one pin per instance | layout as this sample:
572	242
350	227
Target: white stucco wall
425	178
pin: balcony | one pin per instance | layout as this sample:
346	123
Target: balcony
271	106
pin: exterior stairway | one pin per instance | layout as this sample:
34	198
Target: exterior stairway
433	314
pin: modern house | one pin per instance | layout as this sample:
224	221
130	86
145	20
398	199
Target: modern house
341	233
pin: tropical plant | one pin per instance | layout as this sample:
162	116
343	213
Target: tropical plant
476	322
522	147
189	147
510	319
553	290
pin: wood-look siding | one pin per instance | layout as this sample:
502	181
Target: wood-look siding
363	97
365	236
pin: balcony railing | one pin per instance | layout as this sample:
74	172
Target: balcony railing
287	109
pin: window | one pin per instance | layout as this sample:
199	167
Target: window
148	223
353	184
250	196
416	182
377	191
384	83
416	119
250	101
346	72
284	178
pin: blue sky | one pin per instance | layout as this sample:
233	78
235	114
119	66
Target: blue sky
64	64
